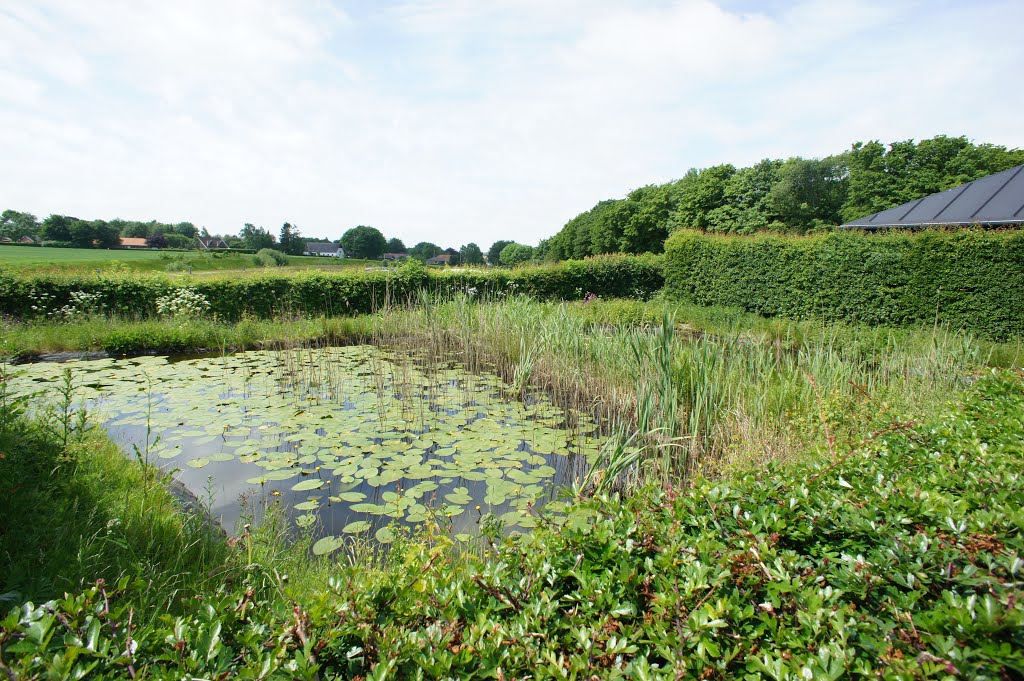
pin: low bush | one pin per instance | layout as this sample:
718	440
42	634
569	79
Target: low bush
268	257
899	559
969	279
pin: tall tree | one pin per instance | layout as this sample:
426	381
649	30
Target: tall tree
700	192
494	252
290	241
135	230
515	254
809	193
255	237
185	229
363	241
14	224
425	250
394	245
57	227
82	233
470	254
105	235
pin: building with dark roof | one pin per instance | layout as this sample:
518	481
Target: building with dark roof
323	248
993	201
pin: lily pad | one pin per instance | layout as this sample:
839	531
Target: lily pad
305	485
328	544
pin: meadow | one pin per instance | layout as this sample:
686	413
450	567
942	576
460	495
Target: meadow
38	260
764	497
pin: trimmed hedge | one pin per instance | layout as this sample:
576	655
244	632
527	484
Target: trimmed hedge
969	279
267	295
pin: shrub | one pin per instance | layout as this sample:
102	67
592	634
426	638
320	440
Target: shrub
970	279
268	257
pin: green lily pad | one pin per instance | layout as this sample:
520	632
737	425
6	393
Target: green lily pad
356	527
305	485
326	545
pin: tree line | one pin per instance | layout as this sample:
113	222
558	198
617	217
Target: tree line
361	241
795	195
72	231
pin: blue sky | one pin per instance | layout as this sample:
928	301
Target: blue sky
465	120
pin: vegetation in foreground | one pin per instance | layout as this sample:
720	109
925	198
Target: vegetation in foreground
898	558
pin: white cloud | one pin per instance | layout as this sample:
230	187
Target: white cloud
453	120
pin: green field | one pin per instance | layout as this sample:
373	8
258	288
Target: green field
63	259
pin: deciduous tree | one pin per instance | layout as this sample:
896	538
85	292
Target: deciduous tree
363	241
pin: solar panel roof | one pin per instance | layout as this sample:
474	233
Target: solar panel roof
993	200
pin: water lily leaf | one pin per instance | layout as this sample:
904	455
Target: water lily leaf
385	535
351	496
305	485
356	527
198	462
326	545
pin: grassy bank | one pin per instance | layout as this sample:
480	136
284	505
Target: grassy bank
899	557
74	509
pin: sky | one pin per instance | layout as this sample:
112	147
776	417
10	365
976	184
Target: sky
456	121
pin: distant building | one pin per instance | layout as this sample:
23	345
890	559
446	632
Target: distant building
323	248
209	242
5	240
443	259
26	240
992	201
133	242
395	256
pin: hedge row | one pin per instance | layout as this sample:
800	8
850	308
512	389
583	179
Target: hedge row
970	279
262	295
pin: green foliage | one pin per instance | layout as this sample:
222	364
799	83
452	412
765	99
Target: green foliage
74	509
394	245
178	240
515	254
256	238
312	293
289	241
494	252
880	178
268	257
969	279
470	254
795	196
808	193
898	559
425	250
15	224
364	242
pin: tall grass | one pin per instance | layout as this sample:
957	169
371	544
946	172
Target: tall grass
74	509
703	386
738	389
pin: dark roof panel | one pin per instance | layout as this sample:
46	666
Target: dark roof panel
993	200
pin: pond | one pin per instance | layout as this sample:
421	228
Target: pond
348	439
